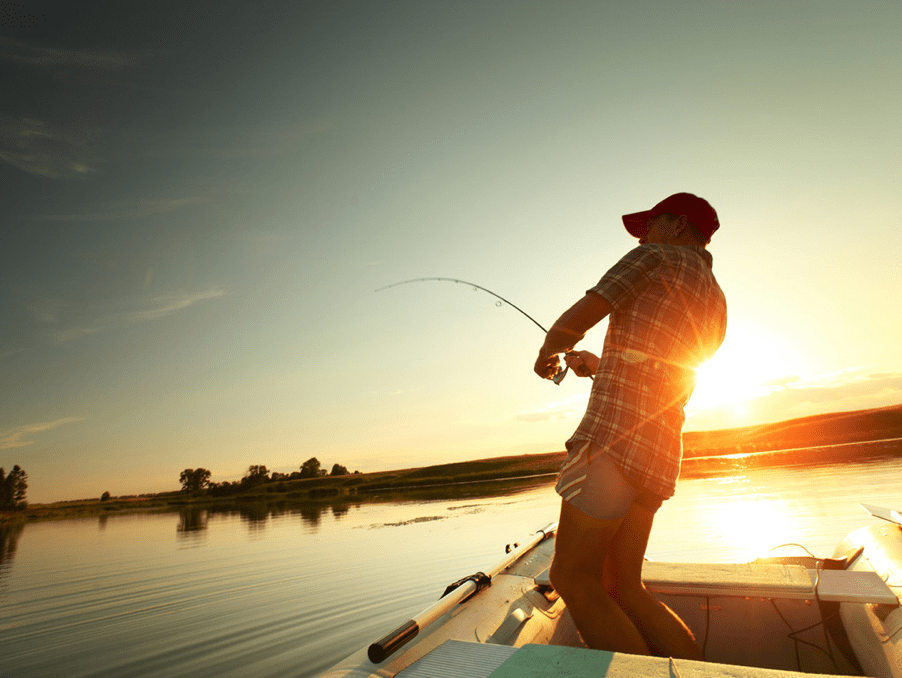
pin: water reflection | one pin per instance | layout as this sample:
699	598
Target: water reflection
192	519
807	457
312	514
9	542
475	490
192	527
750	525
255	515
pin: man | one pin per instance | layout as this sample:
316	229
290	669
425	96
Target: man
667	317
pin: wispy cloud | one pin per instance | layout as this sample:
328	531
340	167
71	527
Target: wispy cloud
48	150
126	211
568	408
21	435
152	309
160	307
41	56
71	334
59	151
852	385
795	396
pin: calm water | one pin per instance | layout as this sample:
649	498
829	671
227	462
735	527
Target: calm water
291	594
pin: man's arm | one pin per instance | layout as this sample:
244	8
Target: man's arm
568	330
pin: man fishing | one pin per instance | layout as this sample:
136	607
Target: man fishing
667	315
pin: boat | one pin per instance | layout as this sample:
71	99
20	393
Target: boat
811	616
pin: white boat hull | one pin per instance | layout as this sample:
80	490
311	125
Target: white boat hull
875	631
768	616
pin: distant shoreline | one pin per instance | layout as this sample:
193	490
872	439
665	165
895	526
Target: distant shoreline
480	477
831	438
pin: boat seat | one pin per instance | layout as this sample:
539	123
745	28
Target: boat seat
762	580
462	659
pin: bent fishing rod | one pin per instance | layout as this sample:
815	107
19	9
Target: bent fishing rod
557	378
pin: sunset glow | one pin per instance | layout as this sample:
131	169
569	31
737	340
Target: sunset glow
749	365
197	221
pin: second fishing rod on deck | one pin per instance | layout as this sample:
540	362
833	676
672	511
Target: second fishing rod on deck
557	378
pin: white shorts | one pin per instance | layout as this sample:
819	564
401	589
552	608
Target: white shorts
592	482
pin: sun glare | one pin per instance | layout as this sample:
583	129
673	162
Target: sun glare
746	367
751	528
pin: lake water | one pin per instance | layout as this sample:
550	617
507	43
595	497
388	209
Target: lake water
289	594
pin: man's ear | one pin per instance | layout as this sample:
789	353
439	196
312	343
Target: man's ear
680	224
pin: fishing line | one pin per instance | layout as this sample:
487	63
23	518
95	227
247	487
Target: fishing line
557	379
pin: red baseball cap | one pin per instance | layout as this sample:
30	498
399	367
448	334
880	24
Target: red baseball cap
697	210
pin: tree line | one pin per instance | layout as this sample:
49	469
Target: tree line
13	488
197	480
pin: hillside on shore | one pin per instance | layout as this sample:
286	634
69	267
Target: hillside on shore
823	429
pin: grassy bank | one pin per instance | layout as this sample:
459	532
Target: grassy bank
414	483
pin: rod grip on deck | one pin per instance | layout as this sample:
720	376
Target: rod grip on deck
381	649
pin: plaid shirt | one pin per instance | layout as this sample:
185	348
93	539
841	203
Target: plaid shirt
669	316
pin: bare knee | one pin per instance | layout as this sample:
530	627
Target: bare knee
560	578
633	597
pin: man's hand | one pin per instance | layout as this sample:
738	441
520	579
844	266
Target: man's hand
584	363
547	365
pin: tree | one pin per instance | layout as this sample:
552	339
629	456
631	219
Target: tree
339	470
311	468
194	480
13	488
256	473
105	496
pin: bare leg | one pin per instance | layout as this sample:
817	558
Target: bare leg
577	573
662	629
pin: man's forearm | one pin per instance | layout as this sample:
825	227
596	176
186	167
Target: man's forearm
560	339
568	331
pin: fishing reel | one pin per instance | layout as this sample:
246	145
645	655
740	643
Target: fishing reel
561	373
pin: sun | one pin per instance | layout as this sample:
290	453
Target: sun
745	368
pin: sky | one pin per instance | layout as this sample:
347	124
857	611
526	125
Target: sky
198	202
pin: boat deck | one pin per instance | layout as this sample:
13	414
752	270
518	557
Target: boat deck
786	582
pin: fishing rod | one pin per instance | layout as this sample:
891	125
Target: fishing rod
557	378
